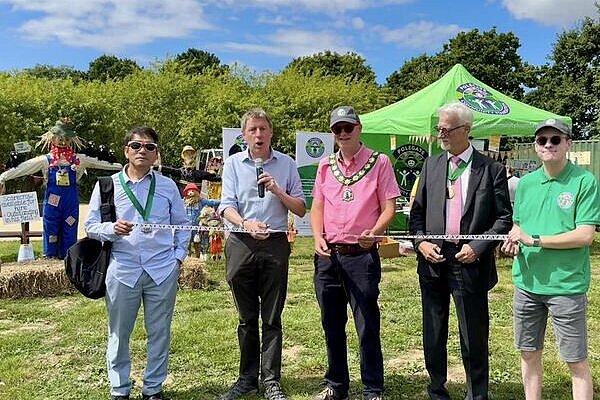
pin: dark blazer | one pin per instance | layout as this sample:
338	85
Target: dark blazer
487	210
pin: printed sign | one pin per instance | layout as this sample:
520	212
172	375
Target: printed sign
20	207
233	141
22	147
580	157
311	147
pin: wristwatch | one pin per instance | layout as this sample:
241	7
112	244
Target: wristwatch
537	242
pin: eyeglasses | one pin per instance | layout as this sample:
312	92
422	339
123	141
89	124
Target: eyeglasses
445	131
138	145
542	140
337	129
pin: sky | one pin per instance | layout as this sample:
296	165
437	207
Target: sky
265	35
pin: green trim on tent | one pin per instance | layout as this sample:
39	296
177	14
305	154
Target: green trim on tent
495	114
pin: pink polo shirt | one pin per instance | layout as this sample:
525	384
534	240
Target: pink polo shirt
344	221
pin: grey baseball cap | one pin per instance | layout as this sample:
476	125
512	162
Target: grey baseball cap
554	123
343	114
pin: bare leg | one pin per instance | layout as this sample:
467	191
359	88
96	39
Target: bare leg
582	380
531	371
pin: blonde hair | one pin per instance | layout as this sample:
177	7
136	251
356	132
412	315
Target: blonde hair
258	113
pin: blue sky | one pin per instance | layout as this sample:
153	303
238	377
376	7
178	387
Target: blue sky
268	34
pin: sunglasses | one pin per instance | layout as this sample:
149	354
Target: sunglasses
542	140
445	131
138	145
337	129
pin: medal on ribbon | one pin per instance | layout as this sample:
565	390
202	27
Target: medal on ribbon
347	181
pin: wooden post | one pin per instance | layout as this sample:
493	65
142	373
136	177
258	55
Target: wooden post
24	232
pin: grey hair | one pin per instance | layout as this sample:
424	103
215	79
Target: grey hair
464	113
256	113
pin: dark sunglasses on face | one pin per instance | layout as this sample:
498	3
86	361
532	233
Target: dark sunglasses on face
542	140
138	145
337	129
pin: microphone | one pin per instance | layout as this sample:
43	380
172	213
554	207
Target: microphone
258	163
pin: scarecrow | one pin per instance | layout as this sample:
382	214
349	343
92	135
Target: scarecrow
194	203
188	173
62	168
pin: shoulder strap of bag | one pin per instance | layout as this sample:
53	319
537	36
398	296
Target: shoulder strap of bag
107	199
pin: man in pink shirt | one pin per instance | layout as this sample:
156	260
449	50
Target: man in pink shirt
353	202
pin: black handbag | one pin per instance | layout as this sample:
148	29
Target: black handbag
87	260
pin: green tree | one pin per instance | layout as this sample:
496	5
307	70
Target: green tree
490	56
349	66
107	67
51	72
570	84
196	62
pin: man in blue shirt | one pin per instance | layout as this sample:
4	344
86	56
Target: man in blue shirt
144	265
257	261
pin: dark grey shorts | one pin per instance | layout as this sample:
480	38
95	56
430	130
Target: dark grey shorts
568	313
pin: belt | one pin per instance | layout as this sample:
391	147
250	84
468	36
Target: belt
348	248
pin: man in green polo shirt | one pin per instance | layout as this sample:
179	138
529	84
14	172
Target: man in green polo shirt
557	208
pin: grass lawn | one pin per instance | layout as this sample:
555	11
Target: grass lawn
53	348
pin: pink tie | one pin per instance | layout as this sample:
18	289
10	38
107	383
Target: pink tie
455	209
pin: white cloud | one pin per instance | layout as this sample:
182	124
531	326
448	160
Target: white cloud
551	12
358	23
421	35
292	43
109	25
274	20
330	6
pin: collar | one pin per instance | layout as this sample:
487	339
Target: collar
128	179
464	156
354	157
272	155
561	177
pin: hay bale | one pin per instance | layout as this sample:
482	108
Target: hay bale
37	278
193	275
47	278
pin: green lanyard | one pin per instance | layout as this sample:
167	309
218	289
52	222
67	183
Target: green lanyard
454	175
144	212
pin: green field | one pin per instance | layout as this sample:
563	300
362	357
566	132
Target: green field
53	348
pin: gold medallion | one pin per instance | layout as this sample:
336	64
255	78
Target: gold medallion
347	194
450	192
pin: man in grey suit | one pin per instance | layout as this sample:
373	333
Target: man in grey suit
460	191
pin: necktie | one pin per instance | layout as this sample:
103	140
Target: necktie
455	209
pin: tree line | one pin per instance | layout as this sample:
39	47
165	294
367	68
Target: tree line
190	97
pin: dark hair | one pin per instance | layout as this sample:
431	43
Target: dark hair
141	131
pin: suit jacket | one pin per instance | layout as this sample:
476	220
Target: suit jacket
487	210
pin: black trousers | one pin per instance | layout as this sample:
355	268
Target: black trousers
354	279
257	272
473	322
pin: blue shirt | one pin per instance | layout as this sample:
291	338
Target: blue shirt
240	190
155	252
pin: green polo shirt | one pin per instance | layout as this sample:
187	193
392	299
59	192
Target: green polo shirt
548	206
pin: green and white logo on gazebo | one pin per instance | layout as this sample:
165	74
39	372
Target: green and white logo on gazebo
479	99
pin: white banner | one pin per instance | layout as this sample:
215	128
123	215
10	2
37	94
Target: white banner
233	141
19	207
311	147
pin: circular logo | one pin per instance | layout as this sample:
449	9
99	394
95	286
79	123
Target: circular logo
408	162
565	200
239	140
479	99
315	147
